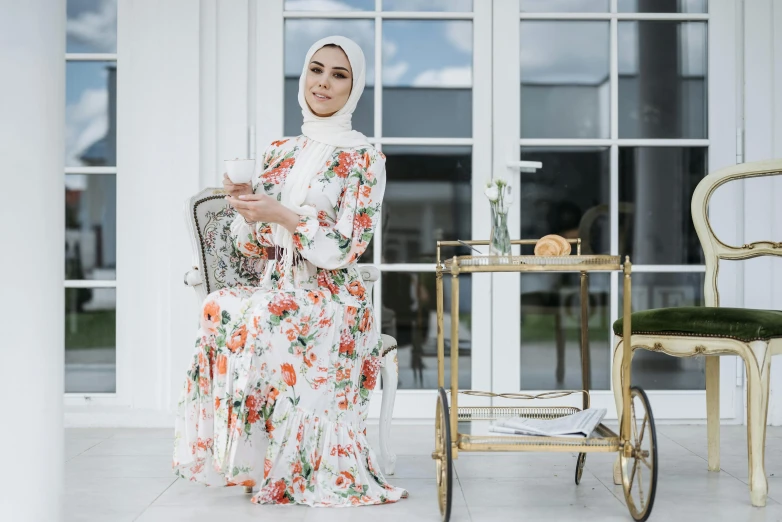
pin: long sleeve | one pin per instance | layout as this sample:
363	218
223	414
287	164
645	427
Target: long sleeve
331	244
250	239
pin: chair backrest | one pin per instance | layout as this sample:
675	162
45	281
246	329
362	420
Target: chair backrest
209	219
715	250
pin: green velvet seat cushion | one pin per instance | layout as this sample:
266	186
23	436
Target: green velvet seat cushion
735	323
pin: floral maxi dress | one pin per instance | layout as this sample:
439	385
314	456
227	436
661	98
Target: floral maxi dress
279	385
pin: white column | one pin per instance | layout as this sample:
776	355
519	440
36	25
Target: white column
32	104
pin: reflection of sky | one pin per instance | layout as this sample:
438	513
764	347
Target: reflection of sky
388	5
428	53
572	52
86	102
91	26
428	5
564	6
329	5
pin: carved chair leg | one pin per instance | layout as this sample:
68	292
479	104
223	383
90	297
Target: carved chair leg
390	376
757	411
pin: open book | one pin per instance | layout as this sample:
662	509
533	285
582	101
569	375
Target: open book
580	424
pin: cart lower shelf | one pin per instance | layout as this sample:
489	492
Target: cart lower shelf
474	434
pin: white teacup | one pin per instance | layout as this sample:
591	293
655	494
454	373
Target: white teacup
240	170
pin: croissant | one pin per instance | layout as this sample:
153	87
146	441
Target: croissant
552	245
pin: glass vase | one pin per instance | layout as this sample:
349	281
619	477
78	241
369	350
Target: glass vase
499	244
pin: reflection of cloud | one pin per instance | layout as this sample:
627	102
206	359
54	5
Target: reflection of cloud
301	34
97	28
559	6
459	33
86	122
564	52
318	5
393	73
429	5
453	77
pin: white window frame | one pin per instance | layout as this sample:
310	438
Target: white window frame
81	398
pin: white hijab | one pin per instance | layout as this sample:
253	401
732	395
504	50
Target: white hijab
325	136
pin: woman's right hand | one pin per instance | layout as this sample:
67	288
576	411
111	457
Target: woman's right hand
236	189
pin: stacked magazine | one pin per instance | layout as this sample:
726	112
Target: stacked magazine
580	424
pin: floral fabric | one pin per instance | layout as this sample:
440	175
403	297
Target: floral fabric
279	385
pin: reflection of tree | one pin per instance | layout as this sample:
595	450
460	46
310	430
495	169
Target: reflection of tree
75	298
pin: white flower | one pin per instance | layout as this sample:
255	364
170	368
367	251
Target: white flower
508	197
492	193
506	208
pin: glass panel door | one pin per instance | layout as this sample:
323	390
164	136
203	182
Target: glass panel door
616	110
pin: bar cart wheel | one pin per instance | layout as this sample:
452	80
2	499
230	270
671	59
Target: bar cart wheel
639	469
442	455
582	457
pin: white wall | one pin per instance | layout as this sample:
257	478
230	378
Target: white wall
188	92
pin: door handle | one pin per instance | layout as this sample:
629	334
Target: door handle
525	166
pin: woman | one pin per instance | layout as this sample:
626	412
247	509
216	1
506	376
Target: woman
292	364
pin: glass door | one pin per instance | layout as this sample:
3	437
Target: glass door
623	101
613	98
427	107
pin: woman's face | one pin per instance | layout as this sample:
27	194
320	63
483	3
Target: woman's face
328	82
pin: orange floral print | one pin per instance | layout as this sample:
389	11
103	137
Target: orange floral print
357	289
237	340
288	374
212	316
283	303
222	364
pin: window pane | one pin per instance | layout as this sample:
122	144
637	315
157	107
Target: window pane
428	5
299	36
90	114
428	198
427	78
663	6
90	340
657	371
565	90
569	196
91	26
410	315
663	80
564	6
655	189
329	5
550	332
90	226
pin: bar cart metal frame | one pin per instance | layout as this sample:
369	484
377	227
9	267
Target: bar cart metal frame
636	442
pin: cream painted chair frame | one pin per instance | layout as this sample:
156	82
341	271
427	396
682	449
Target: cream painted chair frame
756	355
389	369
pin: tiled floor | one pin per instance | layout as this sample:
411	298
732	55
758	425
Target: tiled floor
125	475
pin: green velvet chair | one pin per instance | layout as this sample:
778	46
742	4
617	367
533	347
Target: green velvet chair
753	335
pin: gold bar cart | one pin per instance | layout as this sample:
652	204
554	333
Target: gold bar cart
636	442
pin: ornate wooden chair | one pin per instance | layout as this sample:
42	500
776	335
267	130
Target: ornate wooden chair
753	335
217	265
